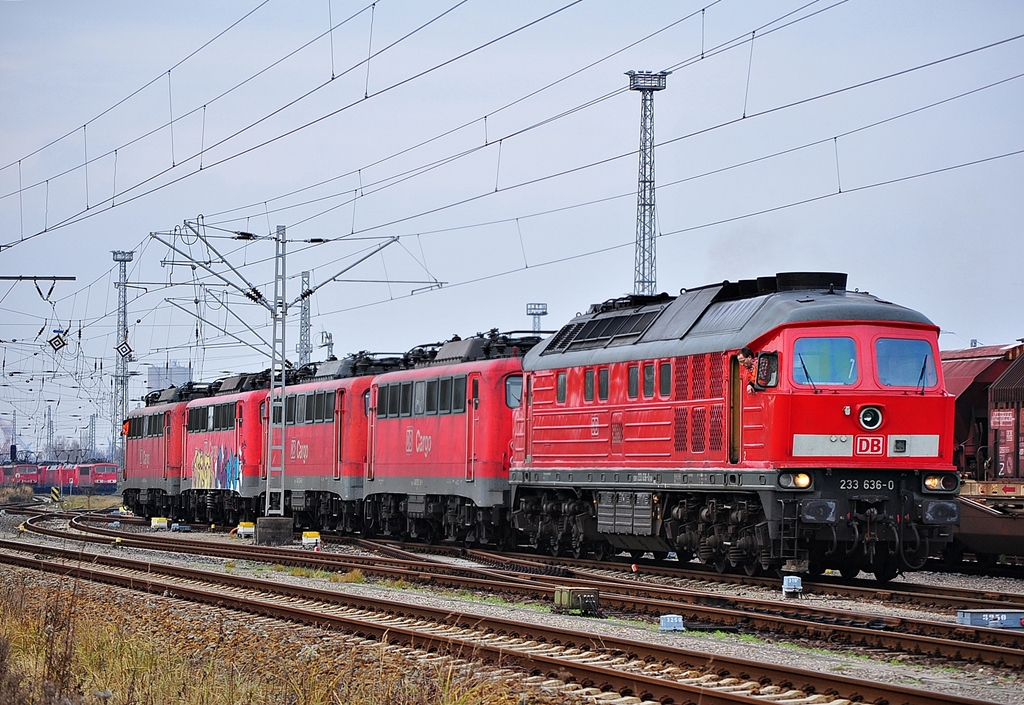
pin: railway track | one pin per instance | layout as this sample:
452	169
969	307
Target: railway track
790	618
598	666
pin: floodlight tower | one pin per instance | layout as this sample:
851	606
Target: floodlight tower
124	353
536	310
645	271
304	347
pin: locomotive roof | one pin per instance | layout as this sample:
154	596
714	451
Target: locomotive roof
711	318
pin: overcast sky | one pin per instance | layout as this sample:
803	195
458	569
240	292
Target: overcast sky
497	142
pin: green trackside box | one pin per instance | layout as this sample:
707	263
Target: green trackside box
586	602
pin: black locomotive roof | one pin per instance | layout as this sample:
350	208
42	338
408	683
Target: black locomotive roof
711	318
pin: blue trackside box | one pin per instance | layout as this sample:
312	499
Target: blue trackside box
672	623
994	619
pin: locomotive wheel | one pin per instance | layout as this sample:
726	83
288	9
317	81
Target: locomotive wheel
753	568
885	568
849	572
721	564
602	551
636	553
660	555
556	548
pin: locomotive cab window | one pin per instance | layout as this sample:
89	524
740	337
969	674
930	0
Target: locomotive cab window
905	363
514	391
767	370
825	361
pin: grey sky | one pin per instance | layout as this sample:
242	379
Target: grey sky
497	221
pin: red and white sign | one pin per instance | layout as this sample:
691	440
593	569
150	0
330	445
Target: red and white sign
869	445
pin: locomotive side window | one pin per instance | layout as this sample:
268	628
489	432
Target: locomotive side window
633	388
648	380
289	409
394	399
767	370
406	409
905	363
514	391
431	400
419	398
320	407
310	408
588	385
602	384
197	419
825	361
444	395
458	394
382	401
561	385
665	379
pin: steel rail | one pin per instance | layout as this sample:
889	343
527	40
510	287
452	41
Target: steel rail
627	683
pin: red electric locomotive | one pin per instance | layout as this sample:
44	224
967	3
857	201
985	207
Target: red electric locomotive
326	420
154	447
209	463
439	443
642	430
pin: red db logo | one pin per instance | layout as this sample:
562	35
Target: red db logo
870	445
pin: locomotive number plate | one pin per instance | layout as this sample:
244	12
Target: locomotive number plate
869	484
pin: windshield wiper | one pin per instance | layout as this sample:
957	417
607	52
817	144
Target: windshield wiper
920	379
806	373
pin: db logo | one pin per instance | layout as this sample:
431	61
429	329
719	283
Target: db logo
408	440
870	445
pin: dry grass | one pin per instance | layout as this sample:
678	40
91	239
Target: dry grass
64	643
352	576
18	493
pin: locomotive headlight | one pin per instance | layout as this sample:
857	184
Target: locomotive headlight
870	417
799	481
946	482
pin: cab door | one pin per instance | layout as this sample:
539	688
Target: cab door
472	420
339	432
735	410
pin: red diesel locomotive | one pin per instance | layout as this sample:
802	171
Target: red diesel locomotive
639	431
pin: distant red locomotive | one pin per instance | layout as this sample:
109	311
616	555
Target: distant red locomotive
21	474
100	478
439	440
638	432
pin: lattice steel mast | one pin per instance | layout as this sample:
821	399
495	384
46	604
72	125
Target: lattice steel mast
645	278
305	345
121	359
278	373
